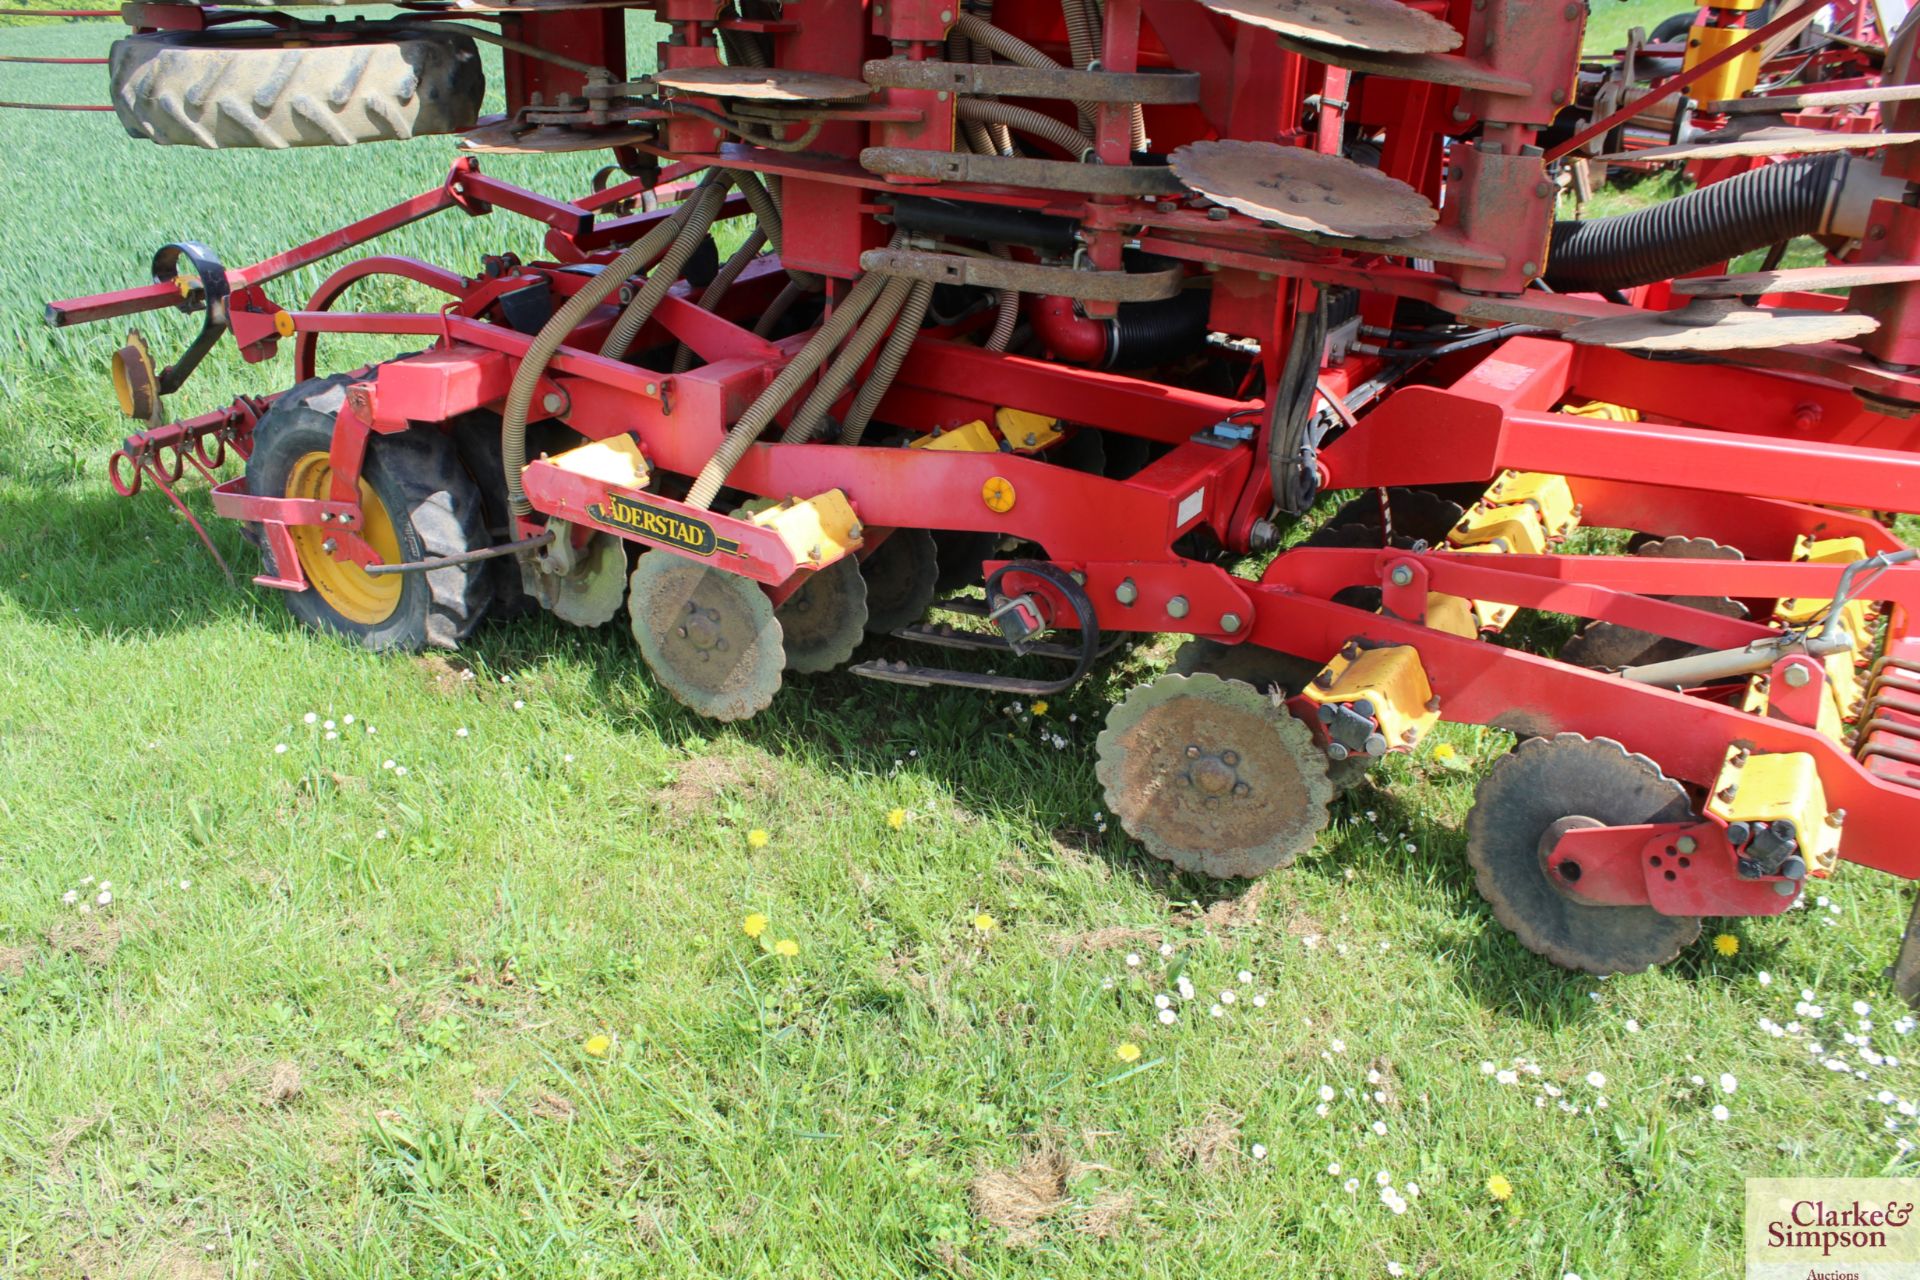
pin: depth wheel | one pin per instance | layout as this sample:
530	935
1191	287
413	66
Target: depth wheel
1210	775
710	638
417	501
1516	816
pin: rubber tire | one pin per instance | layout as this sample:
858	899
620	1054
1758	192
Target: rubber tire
476	437
434	504
226	89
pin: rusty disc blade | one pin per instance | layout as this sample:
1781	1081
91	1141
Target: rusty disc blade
1386	26
1772	141
1697	328
710	638
1798	280
501	138
1304	190
1213	775
763	84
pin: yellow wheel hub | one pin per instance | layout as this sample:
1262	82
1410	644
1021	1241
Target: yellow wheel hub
349	590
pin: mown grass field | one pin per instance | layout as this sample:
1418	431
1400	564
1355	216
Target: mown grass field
457	983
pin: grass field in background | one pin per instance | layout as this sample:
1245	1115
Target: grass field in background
405	967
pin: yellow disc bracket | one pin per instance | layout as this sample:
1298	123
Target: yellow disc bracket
134	382
283	323
997	493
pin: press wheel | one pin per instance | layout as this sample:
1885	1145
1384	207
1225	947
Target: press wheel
1525	801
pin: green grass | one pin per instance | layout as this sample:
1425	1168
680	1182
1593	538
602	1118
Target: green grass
334	1020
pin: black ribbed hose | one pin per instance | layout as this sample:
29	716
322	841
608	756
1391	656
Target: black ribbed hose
1714	224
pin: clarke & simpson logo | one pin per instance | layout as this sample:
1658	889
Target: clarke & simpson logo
1833	1229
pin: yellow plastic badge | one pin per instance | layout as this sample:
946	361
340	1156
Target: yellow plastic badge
998	494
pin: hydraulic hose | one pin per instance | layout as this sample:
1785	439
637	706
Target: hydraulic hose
1714	224
886	366
706	486
513	415
806	420
782	304
766	207
666	273
1025	120
717	289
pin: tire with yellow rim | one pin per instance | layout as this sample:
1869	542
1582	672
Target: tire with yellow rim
418	502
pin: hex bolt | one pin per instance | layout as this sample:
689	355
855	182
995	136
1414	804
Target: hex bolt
329	546
1402	575
1837	818
1193	752
1126	592
1336	752
554	402
1796	676
1177	607
1686	844
1229	622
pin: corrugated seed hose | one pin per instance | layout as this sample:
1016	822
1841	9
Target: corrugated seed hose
553	334
806	420
887	366
1010	47
706	486
1025	120
766	207
1714	224
716	290
706	207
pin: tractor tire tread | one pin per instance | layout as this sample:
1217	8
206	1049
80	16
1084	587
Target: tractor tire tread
227	90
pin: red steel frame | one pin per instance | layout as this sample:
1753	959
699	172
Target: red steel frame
1739	451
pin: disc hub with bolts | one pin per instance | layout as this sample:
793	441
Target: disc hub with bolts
1215	774
701	631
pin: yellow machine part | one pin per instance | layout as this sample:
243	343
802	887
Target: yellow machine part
1601	409
971	437
1390	680
1734	78
1026	432
1516	530
615	461
1549	495
1855	615
1457	616
818	530
1764	788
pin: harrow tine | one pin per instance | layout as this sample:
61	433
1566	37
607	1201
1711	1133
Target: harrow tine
153	469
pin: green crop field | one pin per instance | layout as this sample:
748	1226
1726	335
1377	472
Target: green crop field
319	963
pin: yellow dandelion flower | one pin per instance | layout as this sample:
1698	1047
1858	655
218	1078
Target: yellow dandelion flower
598	1045
1040	707
985	923
1128	1052
1443	752
786	947
1726	944
757	839
754	925
896	818
1499	1188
